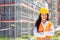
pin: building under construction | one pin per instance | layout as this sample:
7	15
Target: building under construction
18	17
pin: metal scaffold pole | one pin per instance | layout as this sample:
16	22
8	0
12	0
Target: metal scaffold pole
54	14
15	20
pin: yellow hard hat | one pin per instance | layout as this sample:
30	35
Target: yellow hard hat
44	10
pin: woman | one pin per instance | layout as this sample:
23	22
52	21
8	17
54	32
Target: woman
43	28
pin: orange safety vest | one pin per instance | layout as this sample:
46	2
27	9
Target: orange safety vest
47	29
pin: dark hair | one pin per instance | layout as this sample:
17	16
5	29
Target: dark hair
39	21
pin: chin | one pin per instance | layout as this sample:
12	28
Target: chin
43	20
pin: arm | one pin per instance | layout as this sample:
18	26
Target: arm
38	34
35	31
51	32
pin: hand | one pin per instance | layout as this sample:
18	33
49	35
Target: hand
41	32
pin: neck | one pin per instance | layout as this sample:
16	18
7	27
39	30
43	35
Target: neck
44	21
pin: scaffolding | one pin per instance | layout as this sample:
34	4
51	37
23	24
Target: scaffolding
6	19
13	21
17	17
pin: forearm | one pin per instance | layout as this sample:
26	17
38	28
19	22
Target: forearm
51	33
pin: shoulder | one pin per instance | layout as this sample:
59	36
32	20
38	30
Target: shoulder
50	23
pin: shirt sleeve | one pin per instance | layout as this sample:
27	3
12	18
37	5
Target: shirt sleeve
51	32
35	31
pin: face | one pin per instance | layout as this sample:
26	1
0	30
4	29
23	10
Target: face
44	17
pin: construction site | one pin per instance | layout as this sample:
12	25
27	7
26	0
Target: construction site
18	17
